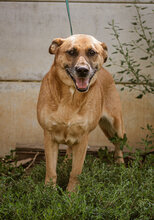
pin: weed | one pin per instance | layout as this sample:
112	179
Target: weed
129	65
147	142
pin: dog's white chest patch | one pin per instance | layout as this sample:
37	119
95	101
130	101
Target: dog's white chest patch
69	140
68	133
72	90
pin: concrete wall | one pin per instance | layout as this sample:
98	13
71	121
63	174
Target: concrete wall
26	31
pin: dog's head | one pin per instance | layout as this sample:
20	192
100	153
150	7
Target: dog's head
77	59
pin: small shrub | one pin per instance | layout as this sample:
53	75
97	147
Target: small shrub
130	67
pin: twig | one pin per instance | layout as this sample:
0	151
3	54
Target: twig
32	161
21	162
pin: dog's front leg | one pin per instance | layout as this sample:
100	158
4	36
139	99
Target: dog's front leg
51	154
78	153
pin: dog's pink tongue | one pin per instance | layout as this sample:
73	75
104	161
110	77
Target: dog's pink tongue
82	83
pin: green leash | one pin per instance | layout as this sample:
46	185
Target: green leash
69	17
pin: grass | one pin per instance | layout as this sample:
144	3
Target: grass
106	191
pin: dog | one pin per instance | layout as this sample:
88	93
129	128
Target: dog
75	96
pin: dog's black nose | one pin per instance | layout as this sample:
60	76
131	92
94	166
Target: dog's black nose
82	71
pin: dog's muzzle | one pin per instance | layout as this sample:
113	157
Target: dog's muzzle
81	75
82	78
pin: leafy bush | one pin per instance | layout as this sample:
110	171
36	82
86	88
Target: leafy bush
135	70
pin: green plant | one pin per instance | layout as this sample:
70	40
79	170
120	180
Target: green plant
138	77
105	155
64	167
121	141
147	142
106	191
8	169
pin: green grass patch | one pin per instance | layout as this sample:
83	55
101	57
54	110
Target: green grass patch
106	191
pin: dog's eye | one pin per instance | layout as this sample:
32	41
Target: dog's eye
72	52
91	52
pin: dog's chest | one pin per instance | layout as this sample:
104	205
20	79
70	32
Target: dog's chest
68	126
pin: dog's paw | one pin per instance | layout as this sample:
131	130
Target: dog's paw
72	185
119	160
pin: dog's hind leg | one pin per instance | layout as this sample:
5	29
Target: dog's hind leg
113	127
69	152
68	155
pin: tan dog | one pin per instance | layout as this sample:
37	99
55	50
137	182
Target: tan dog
77	94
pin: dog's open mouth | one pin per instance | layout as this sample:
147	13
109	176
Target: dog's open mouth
82	84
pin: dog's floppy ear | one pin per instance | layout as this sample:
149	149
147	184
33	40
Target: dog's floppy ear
105	53
55	44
